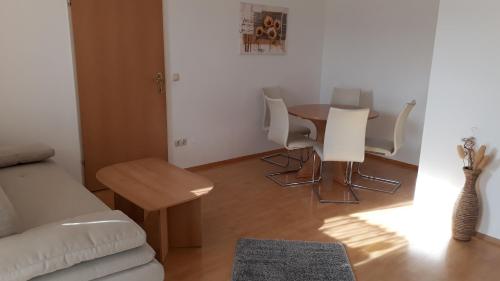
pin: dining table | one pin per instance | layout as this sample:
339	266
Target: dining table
318	114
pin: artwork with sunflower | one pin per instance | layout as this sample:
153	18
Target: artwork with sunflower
263	29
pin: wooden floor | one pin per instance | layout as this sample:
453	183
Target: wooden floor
382	241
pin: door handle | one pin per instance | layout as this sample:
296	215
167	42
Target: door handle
160	82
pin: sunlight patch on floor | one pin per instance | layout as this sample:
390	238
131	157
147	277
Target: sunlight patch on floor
370	239
434	202
428	237
378	232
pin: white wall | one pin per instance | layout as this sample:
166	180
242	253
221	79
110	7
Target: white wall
217	104
384	46
464	93
37	89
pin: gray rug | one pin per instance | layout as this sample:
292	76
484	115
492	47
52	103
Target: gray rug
269	260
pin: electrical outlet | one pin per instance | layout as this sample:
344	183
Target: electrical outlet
180	142
176	77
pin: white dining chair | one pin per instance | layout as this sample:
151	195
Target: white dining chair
277	93
279	132
388	149
344	141
350	97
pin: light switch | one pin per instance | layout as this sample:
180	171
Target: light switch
176	77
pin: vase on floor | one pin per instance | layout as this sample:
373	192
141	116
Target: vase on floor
466	213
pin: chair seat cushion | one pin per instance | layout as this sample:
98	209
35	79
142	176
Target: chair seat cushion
297	141
299	126
300	130
58	246
379	146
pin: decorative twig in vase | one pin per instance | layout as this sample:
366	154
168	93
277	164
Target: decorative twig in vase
473	160
466	213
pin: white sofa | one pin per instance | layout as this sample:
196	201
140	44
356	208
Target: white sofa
43	194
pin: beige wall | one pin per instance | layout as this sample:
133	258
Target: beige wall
37	87
217	105
384	46
464	96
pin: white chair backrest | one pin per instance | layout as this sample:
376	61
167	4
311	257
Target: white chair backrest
345	135
273	93
346	96
279	123
399	129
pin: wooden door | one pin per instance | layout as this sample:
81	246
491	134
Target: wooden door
120	64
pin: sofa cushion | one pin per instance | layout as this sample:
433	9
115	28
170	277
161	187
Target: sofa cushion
58	246
43	193
104	266
152	271
11	155
8	219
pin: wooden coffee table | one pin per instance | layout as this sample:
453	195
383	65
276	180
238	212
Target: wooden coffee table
165	200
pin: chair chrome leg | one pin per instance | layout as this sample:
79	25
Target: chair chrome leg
395	183
269	160
348	181
273	177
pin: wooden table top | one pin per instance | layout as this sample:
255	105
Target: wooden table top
154	184
319	112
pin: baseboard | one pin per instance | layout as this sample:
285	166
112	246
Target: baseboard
257	155
392	161
484	237
234	160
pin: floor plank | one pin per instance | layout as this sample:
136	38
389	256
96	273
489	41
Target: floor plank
380	237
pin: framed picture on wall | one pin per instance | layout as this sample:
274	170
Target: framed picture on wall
263	29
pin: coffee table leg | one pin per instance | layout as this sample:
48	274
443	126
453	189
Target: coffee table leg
155	224
129	209
184	224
